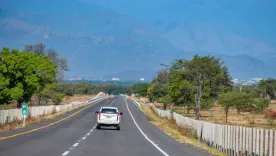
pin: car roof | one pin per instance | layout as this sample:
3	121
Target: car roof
109	107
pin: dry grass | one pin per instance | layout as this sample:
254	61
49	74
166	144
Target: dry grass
10	106
66	100
217	115
182	135
81	98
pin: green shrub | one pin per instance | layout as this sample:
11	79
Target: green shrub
261	104
57	97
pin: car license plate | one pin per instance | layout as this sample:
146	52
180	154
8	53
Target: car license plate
108	116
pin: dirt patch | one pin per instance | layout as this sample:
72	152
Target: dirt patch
81	98
66	100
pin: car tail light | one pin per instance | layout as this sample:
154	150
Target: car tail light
99	115
117	116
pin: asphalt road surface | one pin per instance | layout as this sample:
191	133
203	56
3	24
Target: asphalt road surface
77	136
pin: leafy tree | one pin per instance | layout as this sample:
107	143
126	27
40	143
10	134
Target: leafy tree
166	100
81	88
268	88
158	87
227	100
109	88
40	49
151	93
204	77
54	91
236	100
261	104
60	62
23	74
129	91
243	101
140	89
181	91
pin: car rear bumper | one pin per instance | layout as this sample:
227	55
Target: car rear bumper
108	122
108	125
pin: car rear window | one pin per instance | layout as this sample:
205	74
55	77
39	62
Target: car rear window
108	111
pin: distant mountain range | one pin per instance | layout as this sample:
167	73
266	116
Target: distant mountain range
100	42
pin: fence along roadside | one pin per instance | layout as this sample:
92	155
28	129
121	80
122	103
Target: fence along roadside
231	140
7	116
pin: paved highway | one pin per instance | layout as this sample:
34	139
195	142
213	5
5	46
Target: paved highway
77	136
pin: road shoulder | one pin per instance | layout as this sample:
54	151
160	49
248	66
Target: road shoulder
171	130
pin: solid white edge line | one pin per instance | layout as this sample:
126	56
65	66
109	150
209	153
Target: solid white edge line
66	152
158	148
76	144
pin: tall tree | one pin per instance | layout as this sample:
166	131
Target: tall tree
140	89
179	88
61	63
227	100
41	50
268	88
23	74
236	100
159	87
205	76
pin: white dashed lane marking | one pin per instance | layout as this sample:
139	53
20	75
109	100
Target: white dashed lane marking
79	141
65	153
112	102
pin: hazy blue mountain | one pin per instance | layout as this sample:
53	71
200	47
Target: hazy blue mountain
113	43
252	18
129	39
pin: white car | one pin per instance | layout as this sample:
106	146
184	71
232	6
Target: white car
108	116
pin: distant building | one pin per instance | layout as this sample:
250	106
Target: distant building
257	79
142	79
235	80
72	78
115	79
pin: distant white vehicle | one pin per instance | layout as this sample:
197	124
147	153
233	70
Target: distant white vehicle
109	117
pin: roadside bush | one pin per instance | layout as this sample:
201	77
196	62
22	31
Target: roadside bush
261	104
57	97
207	104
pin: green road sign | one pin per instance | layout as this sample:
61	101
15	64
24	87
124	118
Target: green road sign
24	110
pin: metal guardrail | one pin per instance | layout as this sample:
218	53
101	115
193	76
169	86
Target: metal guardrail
136	103
94	100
